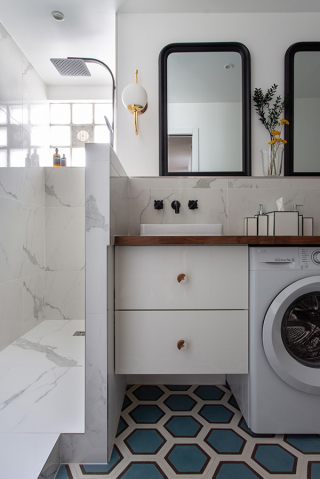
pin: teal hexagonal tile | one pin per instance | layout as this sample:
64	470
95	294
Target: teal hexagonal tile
122	426
180	402
64	472
209	392
187	459
183	426
126	403
145	441
313	470
140	470
146	414
225	441
305	443
233	403
274	459
216	413
98	469
177	387
148	393
235	470
243	425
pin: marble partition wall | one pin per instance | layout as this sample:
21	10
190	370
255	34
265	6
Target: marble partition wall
220	200
22	261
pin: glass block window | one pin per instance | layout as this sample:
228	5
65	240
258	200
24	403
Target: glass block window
44	127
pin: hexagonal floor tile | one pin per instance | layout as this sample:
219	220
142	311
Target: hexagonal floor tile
151	470
148	393
313	470
180	402
225	441
209	392
98	469
177	387
216	413
126	403
305	443
145	441
122	426
146	414
243	425
233	403
235	470
183	426
274	459
187	459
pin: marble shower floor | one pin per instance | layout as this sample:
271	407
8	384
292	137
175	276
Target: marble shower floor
168	432
42	380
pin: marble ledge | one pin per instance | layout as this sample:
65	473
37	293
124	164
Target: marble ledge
42	374
217	240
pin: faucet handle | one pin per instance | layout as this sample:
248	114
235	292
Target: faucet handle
193	204
158	204
176	206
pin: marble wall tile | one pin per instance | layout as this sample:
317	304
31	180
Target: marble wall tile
212	207
96	276
52	464
64	239
33	300
11	183
259	182
11	239
11	312
33	186
137	184
65	295
33	239
92	446
64	187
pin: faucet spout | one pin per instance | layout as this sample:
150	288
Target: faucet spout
176	206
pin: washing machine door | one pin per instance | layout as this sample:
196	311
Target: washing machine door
291	335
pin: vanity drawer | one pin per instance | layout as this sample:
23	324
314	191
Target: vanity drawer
146	342
147	277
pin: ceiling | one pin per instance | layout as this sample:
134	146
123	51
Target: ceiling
89	27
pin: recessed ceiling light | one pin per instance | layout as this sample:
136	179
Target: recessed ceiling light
230	65
58	16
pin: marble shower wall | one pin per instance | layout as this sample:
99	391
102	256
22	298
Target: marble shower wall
64	243
22	261
119	201
220	200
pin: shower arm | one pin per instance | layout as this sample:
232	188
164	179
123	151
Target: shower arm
94	60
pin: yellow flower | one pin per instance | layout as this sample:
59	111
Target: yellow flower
283	121
272	142
275	132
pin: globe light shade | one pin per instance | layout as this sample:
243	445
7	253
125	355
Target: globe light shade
136	95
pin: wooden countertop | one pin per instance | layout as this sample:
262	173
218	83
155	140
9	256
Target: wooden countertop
217	240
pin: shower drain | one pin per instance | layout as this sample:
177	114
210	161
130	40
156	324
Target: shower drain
79	333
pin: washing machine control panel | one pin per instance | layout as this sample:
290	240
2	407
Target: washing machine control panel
309	258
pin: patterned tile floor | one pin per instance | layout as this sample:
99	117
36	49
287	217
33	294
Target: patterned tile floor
196	432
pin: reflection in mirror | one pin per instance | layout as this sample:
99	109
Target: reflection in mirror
302	79
204	112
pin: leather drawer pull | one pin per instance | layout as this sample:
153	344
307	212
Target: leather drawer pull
181	278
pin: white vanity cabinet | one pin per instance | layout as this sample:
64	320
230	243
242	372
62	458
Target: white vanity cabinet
181	309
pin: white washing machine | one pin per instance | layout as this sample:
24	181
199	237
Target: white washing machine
281	393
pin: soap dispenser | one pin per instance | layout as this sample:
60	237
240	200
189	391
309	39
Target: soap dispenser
262	219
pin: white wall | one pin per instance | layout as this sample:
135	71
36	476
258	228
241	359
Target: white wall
214	121
141	37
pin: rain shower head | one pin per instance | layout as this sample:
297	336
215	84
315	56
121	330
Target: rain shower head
71	67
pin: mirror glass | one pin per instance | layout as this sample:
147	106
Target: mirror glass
303	109
204	119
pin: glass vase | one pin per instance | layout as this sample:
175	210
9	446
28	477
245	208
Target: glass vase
272	161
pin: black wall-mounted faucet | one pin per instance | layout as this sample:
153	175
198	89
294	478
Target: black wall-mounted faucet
158	204
176	206
193	204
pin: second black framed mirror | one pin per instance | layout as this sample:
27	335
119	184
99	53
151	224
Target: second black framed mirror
204	110
302	88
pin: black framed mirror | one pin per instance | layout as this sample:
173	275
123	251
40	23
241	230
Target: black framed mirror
302	88
205	110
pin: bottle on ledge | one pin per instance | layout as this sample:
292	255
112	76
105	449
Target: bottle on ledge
56	158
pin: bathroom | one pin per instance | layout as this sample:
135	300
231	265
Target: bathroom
226	201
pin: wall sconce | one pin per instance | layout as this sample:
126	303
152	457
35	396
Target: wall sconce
135	98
